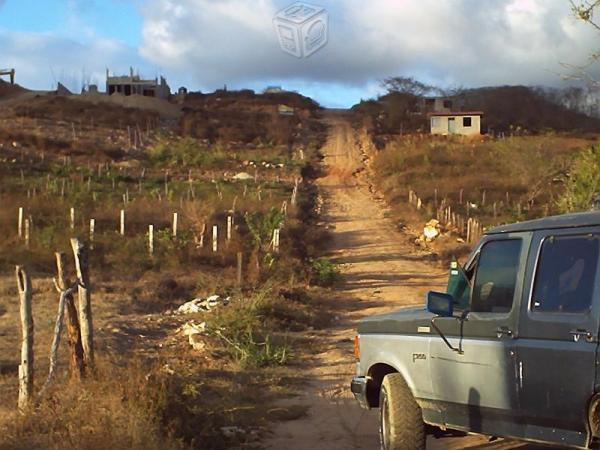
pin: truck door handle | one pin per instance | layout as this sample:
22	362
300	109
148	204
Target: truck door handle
503	331
578	334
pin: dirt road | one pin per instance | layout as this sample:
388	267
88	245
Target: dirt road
382	271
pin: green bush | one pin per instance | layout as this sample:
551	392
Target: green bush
186	152
583	183
324	272
247	336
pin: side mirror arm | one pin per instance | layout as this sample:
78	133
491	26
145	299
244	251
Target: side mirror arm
462	319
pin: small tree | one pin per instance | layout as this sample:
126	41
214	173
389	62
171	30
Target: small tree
583	184
261	226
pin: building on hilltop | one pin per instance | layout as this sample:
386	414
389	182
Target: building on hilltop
437	104
466	123
273	90
134	85
10	73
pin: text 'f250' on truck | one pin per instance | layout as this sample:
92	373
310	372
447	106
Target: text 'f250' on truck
511	350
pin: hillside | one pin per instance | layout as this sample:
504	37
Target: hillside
243	116
168	216
507	109
8	90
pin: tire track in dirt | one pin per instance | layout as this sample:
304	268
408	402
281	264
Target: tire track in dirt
382	271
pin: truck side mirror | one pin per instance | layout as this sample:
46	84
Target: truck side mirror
440	304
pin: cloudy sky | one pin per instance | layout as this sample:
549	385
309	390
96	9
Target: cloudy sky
205	44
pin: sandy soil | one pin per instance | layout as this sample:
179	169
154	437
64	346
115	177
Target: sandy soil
383	271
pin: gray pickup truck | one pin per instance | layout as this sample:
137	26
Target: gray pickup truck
510	350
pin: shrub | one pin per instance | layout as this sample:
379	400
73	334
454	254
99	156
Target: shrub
261	226
324	272
247	337
583	183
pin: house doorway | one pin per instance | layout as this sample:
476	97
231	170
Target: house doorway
451	125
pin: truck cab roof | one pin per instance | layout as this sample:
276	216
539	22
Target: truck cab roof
576	220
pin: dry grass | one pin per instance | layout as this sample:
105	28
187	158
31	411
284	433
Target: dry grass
151	389
519	177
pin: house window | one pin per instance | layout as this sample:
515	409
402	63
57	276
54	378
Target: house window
467	122
448	104
566	274
436	122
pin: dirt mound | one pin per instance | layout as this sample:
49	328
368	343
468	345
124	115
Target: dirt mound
10	90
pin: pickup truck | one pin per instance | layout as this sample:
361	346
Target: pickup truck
510	350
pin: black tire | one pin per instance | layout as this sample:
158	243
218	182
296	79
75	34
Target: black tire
401	425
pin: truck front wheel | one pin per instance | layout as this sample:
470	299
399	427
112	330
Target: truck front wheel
401	424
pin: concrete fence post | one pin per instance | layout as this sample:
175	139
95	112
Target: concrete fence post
215	238
20	222
122	227
151	239
175	219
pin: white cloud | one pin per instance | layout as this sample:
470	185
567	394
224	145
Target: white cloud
43	59
466	42
207	43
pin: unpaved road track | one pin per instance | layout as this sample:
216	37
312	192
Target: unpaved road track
382	271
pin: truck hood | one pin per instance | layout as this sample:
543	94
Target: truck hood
405	321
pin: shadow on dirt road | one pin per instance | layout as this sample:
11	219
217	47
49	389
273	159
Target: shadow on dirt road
382	272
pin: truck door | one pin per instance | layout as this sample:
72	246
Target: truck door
558	335
475	388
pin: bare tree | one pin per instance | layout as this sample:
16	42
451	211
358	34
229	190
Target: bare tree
585	10
408	85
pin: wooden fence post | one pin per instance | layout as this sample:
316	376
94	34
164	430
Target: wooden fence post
239	269
175	217
469	230
27	233
294	194
76	363
202	234
26	366
85	300
276	240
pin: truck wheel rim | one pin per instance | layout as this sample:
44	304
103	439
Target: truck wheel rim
384	427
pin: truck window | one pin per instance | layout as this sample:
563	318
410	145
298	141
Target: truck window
496	276
566	274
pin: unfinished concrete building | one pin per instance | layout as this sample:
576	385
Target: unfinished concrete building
133	84
10	73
